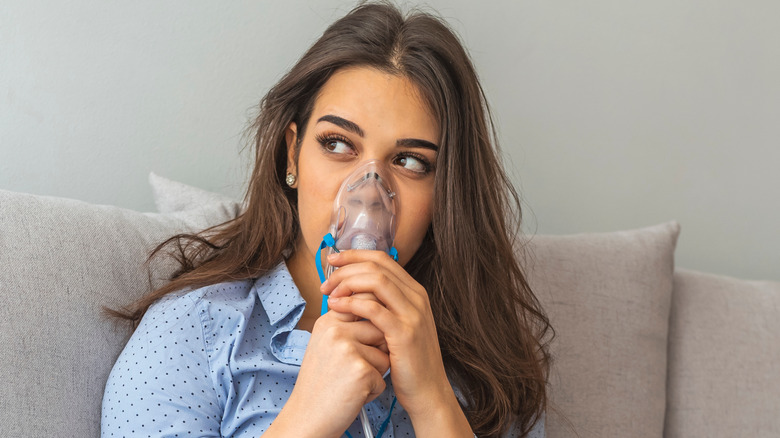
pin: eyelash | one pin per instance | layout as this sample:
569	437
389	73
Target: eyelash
323	139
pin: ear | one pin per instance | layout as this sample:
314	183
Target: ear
291	137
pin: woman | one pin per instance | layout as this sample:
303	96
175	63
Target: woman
446	341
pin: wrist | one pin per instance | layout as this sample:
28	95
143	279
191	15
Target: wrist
288	423
442	416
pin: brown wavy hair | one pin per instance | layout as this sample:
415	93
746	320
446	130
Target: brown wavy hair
493	333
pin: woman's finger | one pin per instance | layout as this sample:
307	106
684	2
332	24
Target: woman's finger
354	262
367	333
377	284
376	357
358	268
354	336
364	332
378	315
380	259
348	317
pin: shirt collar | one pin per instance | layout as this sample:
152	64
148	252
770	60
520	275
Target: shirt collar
280	296
284	306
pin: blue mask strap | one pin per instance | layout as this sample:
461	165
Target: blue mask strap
327	241
387	420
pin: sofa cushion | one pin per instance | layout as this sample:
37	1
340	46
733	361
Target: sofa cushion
61	261
173	196
724	356
607	296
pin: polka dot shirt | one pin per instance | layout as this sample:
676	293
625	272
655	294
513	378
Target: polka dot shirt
219	361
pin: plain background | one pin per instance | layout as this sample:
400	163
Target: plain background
611	114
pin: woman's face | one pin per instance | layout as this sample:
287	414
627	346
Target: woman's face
363	114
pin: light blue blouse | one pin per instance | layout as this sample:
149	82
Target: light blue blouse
220	361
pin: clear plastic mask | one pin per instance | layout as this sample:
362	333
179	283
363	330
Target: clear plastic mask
364	210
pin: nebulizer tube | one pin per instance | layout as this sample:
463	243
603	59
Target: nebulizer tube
366	423
363	218
364	241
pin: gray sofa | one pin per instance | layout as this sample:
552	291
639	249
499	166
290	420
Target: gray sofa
642	349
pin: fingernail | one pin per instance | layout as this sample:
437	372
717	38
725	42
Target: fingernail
332	257
333	300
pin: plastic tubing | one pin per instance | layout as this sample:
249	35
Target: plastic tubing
366	424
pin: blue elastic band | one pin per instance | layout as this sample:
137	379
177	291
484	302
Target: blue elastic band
327	241
387	420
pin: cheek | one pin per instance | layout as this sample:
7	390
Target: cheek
413	221
315	204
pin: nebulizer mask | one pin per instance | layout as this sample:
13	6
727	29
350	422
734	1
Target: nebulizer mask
363	218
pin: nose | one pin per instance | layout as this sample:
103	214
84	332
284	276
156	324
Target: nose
367	198
369	191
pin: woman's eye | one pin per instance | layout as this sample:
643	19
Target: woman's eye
335	145
415	164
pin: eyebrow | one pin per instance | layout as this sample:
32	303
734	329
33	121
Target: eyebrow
355	129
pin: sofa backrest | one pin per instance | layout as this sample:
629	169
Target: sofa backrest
64	259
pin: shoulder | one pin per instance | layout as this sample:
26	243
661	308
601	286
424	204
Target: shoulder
222	312
230	298
187	321
169	357
213	302
227	296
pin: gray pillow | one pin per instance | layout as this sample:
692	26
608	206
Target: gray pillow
608	297
172	196
724	356
61	261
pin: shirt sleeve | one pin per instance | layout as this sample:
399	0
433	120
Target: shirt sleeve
160	386
538	429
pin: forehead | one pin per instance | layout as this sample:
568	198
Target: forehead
376	100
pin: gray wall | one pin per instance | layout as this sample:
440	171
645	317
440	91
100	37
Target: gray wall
612	114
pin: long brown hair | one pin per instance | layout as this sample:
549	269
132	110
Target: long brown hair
493	333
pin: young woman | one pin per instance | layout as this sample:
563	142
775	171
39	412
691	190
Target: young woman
447	341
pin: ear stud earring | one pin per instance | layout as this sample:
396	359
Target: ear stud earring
290	180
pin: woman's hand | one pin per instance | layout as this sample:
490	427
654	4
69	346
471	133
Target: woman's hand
401	311
341	371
